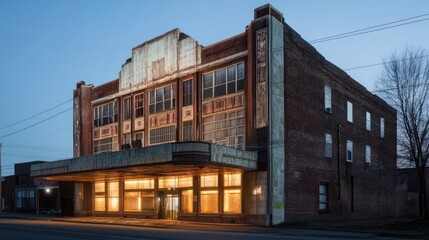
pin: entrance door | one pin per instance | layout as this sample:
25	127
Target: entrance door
170	206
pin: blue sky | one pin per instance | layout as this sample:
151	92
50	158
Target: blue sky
47	46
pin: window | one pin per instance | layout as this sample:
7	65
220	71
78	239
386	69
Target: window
209	181
328	145
225	128
368	121
127	138
187	201
232	193
368	155
138	105
328	99
163	134
100	197
187	131
162	99
349	151
175	182
127	108
113	196
106	114
349	111
223	81
209	193
323	196
187	92
106	145
382	127
136	196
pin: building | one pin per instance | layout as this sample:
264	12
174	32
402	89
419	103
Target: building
25	194
258	128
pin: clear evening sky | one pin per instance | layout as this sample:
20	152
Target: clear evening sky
47	46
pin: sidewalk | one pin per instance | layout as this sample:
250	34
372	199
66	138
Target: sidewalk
403	227
398	227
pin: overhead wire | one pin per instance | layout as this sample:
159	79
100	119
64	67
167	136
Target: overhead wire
370	29
35	115
37	123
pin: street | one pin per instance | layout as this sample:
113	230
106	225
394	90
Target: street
18	229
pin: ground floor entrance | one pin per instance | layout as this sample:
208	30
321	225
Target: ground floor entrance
169	206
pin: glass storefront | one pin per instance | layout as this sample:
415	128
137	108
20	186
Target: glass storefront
168	197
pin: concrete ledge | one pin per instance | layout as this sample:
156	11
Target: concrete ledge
191	153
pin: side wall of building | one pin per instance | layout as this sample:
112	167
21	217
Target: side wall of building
355	189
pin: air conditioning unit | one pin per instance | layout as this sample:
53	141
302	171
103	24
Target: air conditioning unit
126	146
137	143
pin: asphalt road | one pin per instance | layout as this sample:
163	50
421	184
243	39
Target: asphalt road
17	229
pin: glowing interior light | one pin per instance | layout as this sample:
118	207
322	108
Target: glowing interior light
47	190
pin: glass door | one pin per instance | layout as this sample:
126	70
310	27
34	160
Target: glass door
170	206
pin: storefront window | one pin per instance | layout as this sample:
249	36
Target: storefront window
175	182
113	196
100	197
209	181
187	201
232	201
132	201
209	201
139	184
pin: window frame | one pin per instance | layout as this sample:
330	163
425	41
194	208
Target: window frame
382	127
158	100
368	155
212	80
328	98
326	194
349	112
368	121
139	110
328	145
187	97
349	148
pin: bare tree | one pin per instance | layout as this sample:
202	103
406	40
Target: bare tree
404	83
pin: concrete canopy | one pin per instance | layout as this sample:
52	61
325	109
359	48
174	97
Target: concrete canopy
160	160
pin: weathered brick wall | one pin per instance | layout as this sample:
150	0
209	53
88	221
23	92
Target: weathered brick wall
106	89
224	48
306	73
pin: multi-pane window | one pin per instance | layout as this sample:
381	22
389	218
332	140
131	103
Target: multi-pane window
113	196
100	196
127	108
368	121
187	130
187	202
187	92
106	114
232	193
328	99
349	111
127	138
223	81
323	196
349	151
175	182
328	145
368	155
209	194
225	128
163	134
139	136
382	127
106	145
138	105
138	195
162	99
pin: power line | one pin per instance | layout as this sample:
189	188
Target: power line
370	29
37	123
35	115
377	64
